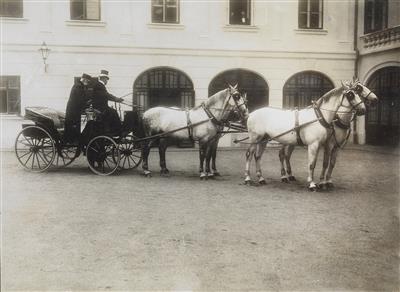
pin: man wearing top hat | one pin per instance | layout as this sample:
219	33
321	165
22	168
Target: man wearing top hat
100	102
76	104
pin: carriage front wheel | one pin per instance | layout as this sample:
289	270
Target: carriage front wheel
35	148
103	155
131	152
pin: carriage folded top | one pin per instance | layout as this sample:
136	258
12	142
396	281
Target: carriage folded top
45	114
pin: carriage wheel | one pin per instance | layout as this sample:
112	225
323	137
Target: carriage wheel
35	149
69	153
131	153
102	155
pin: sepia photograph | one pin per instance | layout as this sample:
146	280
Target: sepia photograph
200	145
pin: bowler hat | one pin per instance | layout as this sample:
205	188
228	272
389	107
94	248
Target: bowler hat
104	73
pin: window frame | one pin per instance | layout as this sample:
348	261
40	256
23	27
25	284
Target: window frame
84	3
3	8
309	13
164	12
250	8
7	90
370	17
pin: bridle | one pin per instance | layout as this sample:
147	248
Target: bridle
358	88
223	121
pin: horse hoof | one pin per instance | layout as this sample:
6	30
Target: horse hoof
247	182
312	189
284	180
322	186
262	182
147	174
292	178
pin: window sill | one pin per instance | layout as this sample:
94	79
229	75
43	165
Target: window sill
95	23
240	28
166	25
311	31
13	19
15	117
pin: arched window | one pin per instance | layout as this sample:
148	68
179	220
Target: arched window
249	82
304	87
163	87
383	118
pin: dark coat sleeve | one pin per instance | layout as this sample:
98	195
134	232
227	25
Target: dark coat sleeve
101	96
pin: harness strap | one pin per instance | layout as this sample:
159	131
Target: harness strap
340	124
321	118
297	127
213	119
189	125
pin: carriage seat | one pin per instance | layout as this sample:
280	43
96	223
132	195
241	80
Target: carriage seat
41	114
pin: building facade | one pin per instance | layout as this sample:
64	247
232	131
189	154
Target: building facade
177	53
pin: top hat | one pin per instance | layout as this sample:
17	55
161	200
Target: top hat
104	73
86	76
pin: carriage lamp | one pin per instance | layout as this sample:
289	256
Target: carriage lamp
45	53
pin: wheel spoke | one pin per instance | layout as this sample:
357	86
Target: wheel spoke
26	161
38	162
23	154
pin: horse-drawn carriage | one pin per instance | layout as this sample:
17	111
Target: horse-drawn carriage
41	144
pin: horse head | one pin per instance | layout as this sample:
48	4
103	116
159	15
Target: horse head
365	93
352	100
238	103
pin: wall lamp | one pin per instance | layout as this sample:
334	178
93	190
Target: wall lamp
45	51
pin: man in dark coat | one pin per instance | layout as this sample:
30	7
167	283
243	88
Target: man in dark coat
100	102
77	101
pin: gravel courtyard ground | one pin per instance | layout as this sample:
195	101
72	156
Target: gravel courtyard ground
69	229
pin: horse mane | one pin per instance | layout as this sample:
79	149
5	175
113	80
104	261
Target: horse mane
332	92
213	98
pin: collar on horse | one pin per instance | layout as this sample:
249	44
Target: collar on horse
211	116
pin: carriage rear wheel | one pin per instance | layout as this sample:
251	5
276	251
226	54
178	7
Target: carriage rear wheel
35	148
68	155
103	155
131	152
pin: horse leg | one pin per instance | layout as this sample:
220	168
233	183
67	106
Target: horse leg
313	150
257	156
202	152
249	154
214	158
209	150
145	156
290	149
332	163
162	148
282	159
325	165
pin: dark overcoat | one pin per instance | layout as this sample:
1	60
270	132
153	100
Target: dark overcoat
77	102
101	96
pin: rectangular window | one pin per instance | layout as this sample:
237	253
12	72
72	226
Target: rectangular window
10	95
376	15
165	11
85	9
310	14
11	8
240	12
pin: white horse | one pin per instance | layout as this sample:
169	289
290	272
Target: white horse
336	141
202	124
310	126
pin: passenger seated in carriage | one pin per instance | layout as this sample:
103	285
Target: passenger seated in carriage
77	103
112	122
